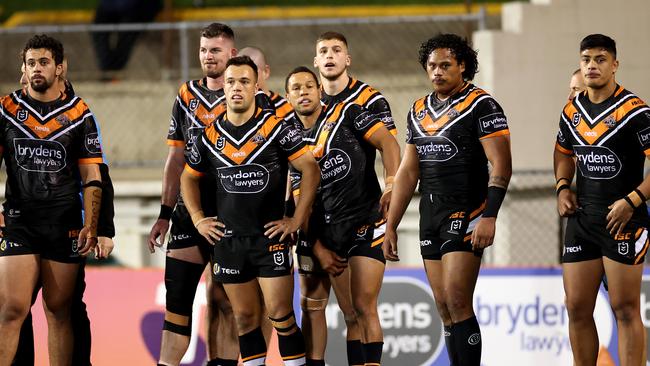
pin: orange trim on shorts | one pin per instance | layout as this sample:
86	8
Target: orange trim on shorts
293	357
193	171
637	260
647	152
478	211
253	357
90	161
177	143
298	153
495	134
467	237
377	242
559	148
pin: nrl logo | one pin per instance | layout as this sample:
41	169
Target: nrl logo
22	115
221	143
576	119
194	104
452	113
610	121
258	139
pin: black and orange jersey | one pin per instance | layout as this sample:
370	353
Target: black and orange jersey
447	136
282	107
250	163
609	141
43	145
349	190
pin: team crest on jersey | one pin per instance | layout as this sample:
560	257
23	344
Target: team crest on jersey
420	115
62	119
576	119
194	104
493	106
221	143
329	125
452	114
22	115
258	139
610	122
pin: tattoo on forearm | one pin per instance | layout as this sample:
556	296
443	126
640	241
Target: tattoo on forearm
499	181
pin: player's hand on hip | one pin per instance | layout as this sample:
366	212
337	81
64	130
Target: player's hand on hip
567	203
211	229
620	212
104	247
86	241
483	234
157	234
283	227
384	203
329	261
389	246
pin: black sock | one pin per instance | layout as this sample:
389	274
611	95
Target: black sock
292	347
373	352
467	337
451	347
311	362
252	345
355	353
222	362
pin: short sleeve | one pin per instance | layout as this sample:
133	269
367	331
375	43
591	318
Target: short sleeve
196	162
290	140
91	148
491	120
364	123
563	140
380	110
409	126
642	128
175	133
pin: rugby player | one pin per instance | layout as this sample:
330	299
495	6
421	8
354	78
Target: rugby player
48	142
452	134
576	84
333	61
281	106
197	105
248	150
105	233
603	131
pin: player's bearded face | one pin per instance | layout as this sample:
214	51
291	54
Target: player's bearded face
213	54
598	67
444	71
41	69
332	58
240	86
304	93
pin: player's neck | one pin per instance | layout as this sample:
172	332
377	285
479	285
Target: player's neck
599	95
51	94
310	120
334	87
455	90
214	83
239	119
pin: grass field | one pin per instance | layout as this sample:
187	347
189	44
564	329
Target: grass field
7	7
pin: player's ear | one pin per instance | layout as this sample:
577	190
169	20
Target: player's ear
461	66
315	63
614	66
59	70
233	52
348	60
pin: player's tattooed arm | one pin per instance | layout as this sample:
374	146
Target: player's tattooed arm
92	200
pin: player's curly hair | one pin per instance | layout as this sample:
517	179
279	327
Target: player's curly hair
459	47
44	41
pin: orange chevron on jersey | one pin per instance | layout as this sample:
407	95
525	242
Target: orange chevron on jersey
433	124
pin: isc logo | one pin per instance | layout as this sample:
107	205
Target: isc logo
458	215
623	236
276	247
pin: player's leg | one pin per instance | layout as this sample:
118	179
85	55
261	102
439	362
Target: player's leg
59	280
245	300
223	343
25	351
18	276
314	294
80	322
183	270
278	298
354	344
433	269
366	276
581	283
624	292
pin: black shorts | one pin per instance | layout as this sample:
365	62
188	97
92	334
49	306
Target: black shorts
587	238
56	242
446	225
239	259
349	239
183	234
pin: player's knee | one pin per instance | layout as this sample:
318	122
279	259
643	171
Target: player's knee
312	306
457	301
285	325
363	308
181	278
13	311
57	308
246	321
626	311
578	309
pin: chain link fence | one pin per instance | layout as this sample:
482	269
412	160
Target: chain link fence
133	107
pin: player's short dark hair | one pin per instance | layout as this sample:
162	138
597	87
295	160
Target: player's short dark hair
598	41
332	35
218	30
44	41
242	61
298	70
459	47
